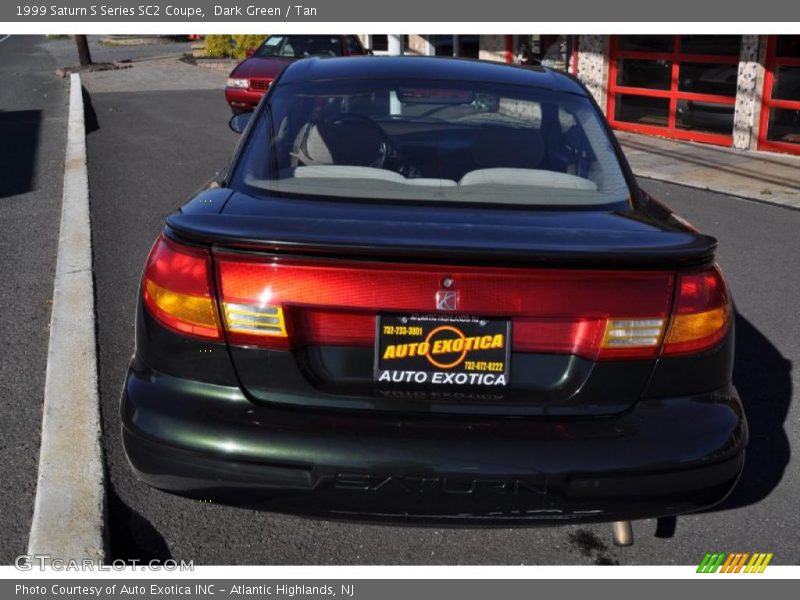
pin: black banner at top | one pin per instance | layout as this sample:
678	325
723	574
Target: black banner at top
441	11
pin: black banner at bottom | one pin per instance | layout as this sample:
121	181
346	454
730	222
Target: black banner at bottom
391	589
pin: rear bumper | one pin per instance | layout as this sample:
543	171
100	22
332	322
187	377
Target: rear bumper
662	457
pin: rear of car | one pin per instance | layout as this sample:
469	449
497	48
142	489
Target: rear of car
432	289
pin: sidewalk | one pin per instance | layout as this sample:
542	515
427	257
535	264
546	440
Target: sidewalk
761	176
157	74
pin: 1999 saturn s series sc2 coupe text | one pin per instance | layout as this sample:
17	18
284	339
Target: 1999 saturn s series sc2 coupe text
432	289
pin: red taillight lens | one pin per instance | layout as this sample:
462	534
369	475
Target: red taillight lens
702	314
176	288
591	313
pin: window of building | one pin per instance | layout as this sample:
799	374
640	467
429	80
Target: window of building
646	43
444	45
674	86
380	43
715	45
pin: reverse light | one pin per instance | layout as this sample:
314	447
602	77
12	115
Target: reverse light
234	82
252	312
176	289
632	336
702	313
254	319
633	332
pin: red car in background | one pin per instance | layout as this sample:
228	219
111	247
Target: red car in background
251	78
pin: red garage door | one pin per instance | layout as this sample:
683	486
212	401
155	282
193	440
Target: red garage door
780	112
674	86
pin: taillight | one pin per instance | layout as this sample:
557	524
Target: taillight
294	303
176	288
702	313
596	314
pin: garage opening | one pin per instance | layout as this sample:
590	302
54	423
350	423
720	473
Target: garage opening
679	86
780	112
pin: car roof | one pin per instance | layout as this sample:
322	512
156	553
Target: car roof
428	67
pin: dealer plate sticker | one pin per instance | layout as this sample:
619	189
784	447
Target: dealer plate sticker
442	350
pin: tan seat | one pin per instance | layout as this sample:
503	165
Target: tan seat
338	142
527	177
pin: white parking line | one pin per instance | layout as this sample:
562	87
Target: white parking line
4	38
68	511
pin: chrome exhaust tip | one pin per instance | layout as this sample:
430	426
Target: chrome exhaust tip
622	532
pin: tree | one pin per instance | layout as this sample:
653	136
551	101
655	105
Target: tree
84	55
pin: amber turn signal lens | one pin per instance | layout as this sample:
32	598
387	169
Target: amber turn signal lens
686	328
693	331
189	314
702	315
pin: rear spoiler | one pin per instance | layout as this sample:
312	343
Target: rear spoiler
505	247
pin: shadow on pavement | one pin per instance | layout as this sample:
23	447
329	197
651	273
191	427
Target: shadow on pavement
763	377
131	536
89	115
19	130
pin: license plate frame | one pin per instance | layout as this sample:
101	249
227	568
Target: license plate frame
424	350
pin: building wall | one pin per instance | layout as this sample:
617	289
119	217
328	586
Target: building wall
493	47
592	67
418	45
747	93
760	73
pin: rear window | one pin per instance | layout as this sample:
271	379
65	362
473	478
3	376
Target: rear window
423	140
300	46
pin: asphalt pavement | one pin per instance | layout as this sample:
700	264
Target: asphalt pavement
33	121
148	150
32	137
151	149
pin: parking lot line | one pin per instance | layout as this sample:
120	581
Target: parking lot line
68	512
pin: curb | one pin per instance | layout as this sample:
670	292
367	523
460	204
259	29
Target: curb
68	514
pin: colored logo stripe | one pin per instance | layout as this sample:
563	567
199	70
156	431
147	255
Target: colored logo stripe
758	563
734	562
711	562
